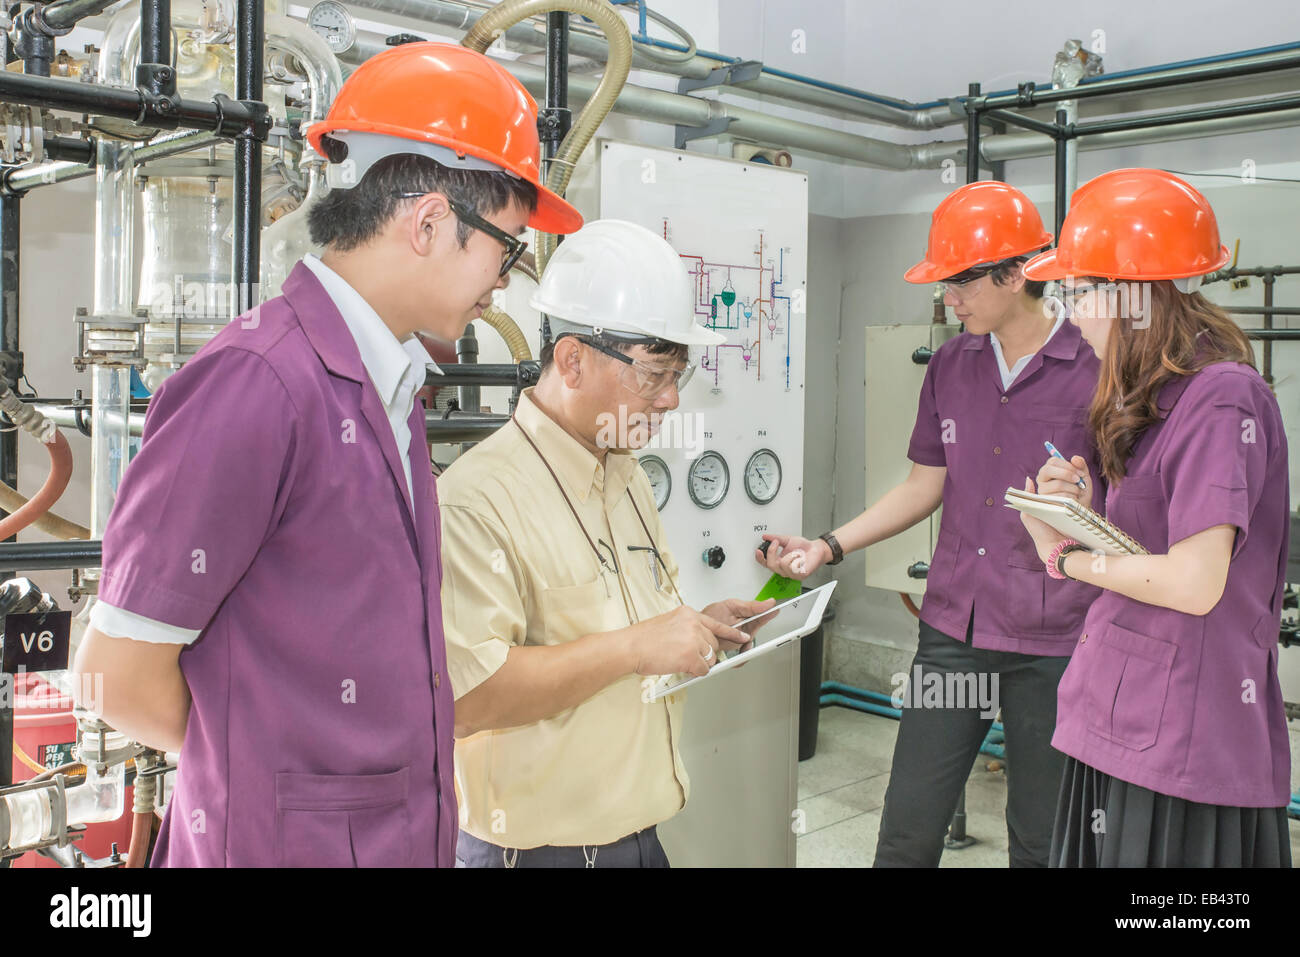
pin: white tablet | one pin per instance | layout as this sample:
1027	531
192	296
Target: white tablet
783	624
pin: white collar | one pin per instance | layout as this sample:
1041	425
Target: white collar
1024	360
387	360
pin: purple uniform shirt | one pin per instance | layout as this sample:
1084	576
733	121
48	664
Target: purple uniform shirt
988	440
1189	705
268	507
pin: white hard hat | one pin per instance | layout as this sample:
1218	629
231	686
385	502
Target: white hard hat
622	278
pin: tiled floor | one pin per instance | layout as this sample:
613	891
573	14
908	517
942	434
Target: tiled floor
842	791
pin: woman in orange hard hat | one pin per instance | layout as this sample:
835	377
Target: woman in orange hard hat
994	631
270	604
1170	712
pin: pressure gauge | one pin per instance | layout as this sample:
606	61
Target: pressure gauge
334	24
762	476
708	480
661	480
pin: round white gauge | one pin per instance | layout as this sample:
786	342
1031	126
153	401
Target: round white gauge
661	481
762	476
334	24
708	480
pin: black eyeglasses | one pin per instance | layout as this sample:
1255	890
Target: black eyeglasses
514	247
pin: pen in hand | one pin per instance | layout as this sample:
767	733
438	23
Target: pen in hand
1056	453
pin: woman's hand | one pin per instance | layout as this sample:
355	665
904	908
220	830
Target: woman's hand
1045	537
1059	477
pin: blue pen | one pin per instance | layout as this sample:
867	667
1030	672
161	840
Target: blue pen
1056	452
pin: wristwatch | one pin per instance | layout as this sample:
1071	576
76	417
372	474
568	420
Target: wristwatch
837	553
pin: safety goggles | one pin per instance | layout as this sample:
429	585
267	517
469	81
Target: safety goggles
643	379
514	246
962	286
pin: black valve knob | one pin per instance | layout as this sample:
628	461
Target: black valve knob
715	556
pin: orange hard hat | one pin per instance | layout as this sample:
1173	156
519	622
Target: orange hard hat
450	103
979	224
1135	224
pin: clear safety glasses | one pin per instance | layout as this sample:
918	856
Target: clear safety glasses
514	247
646	380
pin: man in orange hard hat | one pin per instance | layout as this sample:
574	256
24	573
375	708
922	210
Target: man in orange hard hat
270	603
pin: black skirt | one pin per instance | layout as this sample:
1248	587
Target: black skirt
1102	821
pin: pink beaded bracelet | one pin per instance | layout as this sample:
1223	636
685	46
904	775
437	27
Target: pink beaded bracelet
1052	569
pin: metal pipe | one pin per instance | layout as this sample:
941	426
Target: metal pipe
47	174
681	110
10	371
249	50
155	31
467	354
972	137
1267	372
485	374
65	14
123	103
42	556
459	427
830	97
1015	119
1061	174
1268	310
1150	81
1187	116
557	118
1273	335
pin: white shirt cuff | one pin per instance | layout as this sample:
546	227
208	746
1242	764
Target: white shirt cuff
120	623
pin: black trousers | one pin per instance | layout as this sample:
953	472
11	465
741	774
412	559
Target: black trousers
938	742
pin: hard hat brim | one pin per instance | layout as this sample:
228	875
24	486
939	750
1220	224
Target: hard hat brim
1046	266
554	214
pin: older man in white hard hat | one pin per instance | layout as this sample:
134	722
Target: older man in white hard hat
560	592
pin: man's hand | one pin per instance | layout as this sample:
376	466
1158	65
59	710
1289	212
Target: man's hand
731	610
793	556
682	641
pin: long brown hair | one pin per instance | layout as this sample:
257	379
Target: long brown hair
1182	334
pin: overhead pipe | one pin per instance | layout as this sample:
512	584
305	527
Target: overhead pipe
682	110
832	97
168	144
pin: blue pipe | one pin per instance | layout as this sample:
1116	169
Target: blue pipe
989	747
840	687
904	105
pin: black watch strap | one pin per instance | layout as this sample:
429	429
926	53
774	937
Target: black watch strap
837	553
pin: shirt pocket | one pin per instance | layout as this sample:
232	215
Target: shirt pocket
342	820
1139	507
1127	685
570	612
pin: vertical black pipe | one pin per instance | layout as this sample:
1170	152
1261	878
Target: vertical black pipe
556	96
250	39
9	222
972	138
1062	192
9	234
1269	280
155	31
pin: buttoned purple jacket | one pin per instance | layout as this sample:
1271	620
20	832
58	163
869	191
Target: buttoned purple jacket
268	507
1190	705
989	439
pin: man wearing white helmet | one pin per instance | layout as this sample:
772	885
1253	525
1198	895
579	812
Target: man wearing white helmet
560	594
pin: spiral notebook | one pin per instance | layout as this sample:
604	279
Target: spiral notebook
1076	521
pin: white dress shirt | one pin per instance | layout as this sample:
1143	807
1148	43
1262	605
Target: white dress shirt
397	370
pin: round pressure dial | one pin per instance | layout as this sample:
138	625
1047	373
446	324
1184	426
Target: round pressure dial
334	24
708	480
661	480
762	476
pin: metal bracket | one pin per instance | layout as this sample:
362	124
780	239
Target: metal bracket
133	325
734	74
